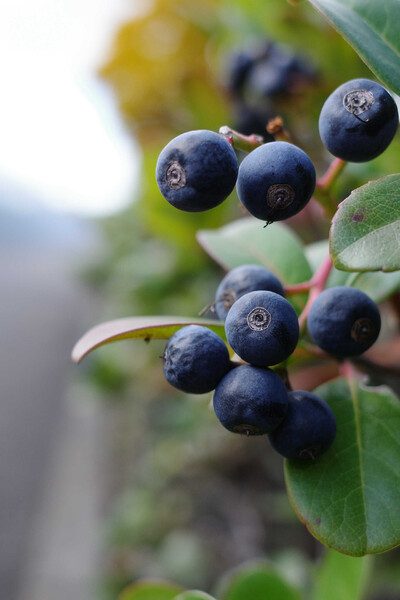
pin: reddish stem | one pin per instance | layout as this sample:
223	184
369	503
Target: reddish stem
318	279
304	315
240	141
298	288
329	177
317	284
347	369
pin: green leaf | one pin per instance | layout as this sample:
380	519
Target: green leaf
247	241
194	595
372	28
148	590
257	581
146	328
351	583
377	285
349	497
365	232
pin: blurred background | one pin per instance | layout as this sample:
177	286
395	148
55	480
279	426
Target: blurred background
107	473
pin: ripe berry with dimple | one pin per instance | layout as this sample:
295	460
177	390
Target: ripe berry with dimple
275	181
308	429
262	328
250	400
358	120
344	321
197	170
195	359
242	280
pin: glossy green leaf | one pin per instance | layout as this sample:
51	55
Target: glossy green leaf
365	232
194	595
349	497
146	328
372	28
350	585
247	241
149	590
257	581
376	284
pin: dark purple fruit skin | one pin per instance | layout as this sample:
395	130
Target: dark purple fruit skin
239	65
332	316
266	69
269	165
195	359
268	346
210	167
250	400
242	280
365	136
308	429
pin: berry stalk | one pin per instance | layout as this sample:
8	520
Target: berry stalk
317	285
327	180
323	188
318	280
238	141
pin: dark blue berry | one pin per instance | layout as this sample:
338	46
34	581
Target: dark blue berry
358	120
344	321
273	75
242	280
251	400
237	68
284	72
275	181
265	70
308	429
195	359
262	328
197	170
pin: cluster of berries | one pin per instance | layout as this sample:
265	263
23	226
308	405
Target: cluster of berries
197	171
262	328
266	69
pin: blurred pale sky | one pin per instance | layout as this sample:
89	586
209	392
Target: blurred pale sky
60	134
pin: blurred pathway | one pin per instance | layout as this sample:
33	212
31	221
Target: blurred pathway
49	439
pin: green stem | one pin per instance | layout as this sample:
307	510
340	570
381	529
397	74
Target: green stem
247	143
